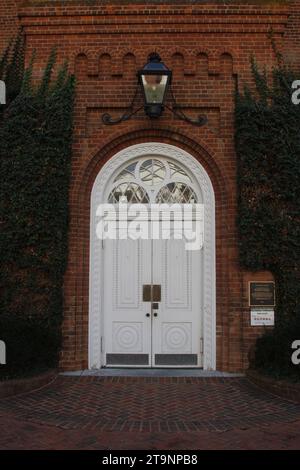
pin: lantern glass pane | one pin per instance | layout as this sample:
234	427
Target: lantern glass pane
154	87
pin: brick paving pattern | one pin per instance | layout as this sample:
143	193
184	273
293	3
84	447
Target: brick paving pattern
146	413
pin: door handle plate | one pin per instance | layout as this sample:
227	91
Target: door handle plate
147	292
151	293
156	292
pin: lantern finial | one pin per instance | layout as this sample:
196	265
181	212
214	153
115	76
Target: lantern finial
154	57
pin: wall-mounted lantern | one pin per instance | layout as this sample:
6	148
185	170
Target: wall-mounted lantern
154	81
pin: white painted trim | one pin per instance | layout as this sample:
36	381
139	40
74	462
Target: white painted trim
96	265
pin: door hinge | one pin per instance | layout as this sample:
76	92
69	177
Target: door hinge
101	344
201	345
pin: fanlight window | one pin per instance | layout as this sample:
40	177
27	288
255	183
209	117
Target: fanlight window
128	192
150	180
176	193
128	173
152	172
178	173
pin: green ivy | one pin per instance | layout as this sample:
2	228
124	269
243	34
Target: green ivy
35	165
267	140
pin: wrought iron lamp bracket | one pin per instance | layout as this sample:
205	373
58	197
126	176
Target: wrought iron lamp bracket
130	111
174	108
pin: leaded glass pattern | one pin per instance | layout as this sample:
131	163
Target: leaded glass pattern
176	192
128	173
131	193
152	172
153	180
178	173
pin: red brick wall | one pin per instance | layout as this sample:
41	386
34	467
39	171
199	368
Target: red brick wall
208	46
9	22
292	35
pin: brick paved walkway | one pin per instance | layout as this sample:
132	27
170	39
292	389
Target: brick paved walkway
149	413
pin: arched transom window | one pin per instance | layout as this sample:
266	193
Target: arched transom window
153	180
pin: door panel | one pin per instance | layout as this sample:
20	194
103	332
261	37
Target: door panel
165	332
127	267
176	323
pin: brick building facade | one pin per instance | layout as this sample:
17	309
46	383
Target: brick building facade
208	46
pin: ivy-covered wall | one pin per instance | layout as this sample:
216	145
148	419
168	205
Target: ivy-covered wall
35	162
267	140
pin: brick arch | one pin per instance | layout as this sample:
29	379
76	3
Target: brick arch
175	51
105	65
129	65
177	64
126	52
226	63
81	65
75	327
130	55
200	151
80	52
201	52
202	64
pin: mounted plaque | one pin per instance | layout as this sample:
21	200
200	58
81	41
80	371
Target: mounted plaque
261	294
262	316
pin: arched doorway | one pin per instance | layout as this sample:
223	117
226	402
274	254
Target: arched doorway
177	327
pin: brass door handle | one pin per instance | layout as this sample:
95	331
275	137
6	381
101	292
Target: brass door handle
156	293
151	293
147	293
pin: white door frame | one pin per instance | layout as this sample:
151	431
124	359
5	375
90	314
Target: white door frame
96	256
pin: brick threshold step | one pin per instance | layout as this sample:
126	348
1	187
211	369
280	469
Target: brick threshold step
114	372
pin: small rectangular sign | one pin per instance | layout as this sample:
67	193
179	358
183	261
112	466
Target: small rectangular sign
262	316
261	294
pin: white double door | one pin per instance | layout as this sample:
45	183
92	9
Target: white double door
164	332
